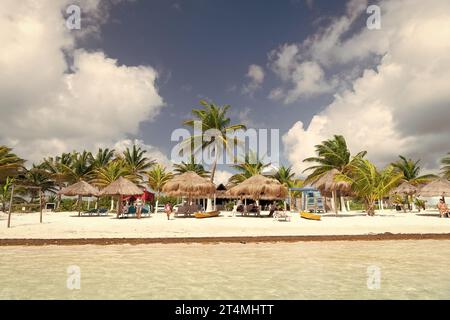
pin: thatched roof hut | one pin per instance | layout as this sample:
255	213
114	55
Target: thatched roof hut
189	184
404	188
121	187
259	187
436	188
327	183
81	188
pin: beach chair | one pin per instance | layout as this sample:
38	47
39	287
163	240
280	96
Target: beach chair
281	216
145	211
103	211
90	212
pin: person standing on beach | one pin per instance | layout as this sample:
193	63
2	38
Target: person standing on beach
138	207
168	210
443	209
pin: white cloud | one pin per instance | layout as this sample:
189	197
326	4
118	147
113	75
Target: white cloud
301	67
222	176
48	105
255	75
401	107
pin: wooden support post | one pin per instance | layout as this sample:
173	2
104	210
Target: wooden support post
40	205
10	206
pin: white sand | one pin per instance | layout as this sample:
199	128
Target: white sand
69	225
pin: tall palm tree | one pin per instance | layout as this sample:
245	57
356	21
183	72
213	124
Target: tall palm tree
330	154
102	158
10	164
58	169
183	167
213	117
285	176
79	168
411	170
105	175
157	178
445	169
5	192
37	177
251	166
136	162
367	182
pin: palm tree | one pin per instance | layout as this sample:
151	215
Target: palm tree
102	158
10	164
105	175
285	176
367	182
331	154
446	166
183	167
136	162
5	192
79	168
58	169
251	166
37	177
213	117
411	170
157	178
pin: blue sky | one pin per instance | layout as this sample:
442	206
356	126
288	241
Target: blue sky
310	68
203	49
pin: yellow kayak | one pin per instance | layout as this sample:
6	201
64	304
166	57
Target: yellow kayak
309	216
201	215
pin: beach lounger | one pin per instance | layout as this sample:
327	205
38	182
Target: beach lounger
281	216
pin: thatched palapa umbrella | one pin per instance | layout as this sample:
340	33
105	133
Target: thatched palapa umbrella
327	184
80	189
119	188
259	187
405	188
189	184
436	188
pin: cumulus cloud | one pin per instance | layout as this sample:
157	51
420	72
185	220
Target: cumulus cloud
402	105
302	66
255	75
56	97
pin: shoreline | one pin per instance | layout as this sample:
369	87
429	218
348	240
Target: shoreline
219	239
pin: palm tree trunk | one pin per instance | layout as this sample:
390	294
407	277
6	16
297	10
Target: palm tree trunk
209	205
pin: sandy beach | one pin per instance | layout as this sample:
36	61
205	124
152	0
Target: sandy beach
353	225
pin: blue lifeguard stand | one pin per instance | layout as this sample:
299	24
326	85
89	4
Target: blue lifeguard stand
312	200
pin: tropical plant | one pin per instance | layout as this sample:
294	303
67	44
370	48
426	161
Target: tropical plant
58	168
5	192
79	167
213	117
37	177
10	164
183	167
330	154
102	158
285	176
367	182
105	175
411	170
251	166
445	169
136	162
157	178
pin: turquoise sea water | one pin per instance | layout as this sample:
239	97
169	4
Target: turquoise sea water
302	270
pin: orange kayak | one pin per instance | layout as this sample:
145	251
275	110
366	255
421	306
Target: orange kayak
201	215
